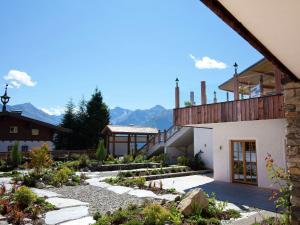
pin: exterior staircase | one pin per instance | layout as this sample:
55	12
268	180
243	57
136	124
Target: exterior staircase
157	144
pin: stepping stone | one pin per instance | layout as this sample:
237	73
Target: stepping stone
119	189
95	182
143	193
168	197
5	180
66	214
65	202
83	221
45	193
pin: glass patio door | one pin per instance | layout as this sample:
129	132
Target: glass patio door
244	162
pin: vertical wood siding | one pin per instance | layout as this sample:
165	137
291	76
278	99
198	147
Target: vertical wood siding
262	108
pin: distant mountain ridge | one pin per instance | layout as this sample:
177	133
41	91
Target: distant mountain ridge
31	111
157	116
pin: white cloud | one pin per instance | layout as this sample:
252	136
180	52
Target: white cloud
208	63
18	78
58	110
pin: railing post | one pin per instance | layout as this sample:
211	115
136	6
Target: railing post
165	135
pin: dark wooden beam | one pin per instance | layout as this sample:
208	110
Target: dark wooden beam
278	86
128	145
228	18
114	146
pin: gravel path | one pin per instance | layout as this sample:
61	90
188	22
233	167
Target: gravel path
100	199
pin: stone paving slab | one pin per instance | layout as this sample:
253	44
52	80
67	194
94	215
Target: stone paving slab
119	189
83	221
66	214
250	218
142	193
65	202
45	193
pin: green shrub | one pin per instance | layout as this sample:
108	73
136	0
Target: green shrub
104	220
84	160
100	153
40	159
139	159
127	159
97	215
134	222
24	197
155	214
46	205
110	158
231	213
15	155
61	176
119	216
30	179
214	221
182	160
75	156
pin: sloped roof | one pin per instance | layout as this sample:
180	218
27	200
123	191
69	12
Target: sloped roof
270	26
41	123
118	129
251	76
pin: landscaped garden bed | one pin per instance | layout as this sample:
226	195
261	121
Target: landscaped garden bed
21	206
209	212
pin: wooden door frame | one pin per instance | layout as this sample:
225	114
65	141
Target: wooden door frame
244	161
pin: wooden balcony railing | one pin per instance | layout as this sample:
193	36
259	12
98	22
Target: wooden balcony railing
262	108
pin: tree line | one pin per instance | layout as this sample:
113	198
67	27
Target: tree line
86	122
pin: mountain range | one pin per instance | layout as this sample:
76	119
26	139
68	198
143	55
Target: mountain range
157	116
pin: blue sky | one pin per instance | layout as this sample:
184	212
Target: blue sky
131	50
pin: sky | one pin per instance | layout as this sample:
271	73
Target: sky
133	50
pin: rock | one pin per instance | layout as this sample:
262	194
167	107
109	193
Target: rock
196	196
40	185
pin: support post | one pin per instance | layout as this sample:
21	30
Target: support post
203	93
278	86
114	145
236	83
177	95
107	144
165	135
147	142
261	85
128	144
135	145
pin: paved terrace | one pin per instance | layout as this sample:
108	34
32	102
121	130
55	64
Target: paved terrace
241	195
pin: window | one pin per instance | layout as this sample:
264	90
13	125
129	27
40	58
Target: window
13	130
35	132
9	148
24	148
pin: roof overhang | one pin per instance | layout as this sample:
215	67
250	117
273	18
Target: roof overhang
270	26
34	121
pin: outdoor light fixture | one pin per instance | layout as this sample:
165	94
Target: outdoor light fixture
5	99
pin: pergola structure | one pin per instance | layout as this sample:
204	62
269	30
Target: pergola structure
122	140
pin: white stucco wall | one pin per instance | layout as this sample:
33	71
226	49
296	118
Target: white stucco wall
31	144
268	135
203	140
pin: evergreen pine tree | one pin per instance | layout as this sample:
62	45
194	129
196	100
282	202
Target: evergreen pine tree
97	118
66	140
100	153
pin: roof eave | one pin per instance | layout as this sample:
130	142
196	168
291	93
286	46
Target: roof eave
230	20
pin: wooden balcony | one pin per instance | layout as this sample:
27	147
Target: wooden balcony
262	108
